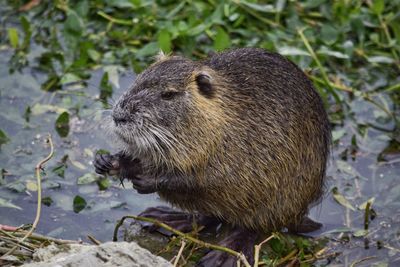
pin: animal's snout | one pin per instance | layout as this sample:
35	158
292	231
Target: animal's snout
124	111
119	118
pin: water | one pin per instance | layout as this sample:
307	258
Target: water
354	169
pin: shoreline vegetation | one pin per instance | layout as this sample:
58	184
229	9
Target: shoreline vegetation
349	50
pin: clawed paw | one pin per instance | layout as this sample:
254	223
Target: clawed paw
106	164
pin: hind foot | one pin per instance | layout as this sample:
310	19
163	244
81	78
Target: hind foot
240	240
179	220
306	225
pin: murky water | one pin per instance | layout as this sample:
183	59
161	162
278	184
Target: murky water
354	170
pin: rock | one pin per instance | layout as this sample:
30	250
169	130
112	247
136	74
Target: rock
106	254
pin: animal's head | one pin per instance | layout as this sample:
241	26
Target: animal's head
172	113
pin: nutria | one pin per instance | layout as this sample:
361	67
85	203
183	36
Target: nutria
241	136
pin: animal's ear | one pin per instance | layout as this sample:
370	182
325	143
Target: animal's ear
204	84
161	56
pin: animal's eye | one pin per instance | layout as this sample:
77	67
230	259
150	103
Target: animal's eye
204	84
168	95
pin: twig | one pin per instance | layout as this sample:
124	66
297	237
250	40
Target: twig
179	253
366	216
257	16
43	238
182	235
94	240
361	260
388	37
257	249
38	168
14	242
114	20
392	88
321	68
337	86
9	236
20	253
287	257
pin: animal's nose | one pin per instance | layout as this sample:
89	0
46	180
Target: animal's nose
118	118
119	115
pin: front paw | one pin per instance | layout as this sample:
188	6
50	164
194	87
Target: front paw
144	184
106	164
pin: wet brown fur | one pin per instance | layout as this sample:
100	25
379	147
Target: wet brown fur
254	154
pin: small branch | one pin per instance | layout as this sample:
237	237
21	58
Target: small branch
366	216
114	20
257	16
39	196
339	87
182	235
321	68
354	263
388	37
179	253
20	253
257	249
93	240
287	257
392	88
43	238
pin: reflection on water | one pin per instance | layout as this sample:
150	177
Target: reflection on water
354	169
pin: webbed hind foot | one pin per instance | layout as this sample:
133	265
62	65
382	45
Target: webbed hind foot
306	225
178	220
240	240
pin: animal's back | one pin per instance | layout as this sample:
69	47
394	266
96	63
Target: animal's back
271	162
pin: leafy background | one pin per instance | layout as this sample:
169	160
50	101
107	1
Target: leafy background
64	62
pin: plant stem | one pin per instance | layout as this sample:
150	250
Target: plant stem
182	235
114	20
321	68
38	168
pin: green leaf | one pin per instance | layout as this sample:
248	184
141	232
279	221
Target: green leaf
87	178
364	205
27	113
103	183
280	5
62	124
39	109
292	51
94	55
79	204
164	40
360	233
70	78
147	50
106	89
380	59
313	3
7	204
277	245
258	7
26	26
13	37
47	201
3	138
345	167
221	40
337	134
378	6
337	54
60	168
112	74
16	186
329	34
341	199
73	24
